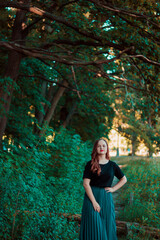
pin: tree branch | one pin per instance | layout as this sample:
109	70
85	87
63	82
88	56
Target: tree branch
25	31
122	81
51	81
133	62
41	53
50	16
66	4
74	77
144	59
125	12
142	30
83	42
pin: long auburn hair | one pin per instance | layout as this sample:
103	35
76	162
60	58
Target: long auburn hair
95	167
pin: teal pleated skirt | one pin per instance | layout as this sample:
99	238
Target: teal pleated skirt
102	225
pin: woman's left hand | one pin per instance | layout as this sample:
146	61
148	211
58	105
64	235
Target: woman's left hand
109	189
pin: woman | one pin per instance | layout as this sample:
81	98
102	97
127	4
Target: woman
98	216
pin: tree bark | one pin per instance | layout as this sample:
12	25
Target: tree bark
133	145
55	100
50	95
39	114
70	115
12	69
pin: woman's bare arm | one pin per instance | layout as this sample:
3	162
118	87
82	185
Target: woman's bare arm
121	182
87	187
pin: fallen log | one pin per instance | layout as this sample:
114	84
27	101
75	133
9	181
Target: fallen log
123	228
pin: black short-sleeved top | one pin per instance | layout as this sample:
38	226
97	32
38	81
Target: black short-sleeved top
108	171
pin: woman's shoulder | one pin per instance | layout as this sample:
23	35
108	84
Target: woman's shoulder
113	163
88	163
87	166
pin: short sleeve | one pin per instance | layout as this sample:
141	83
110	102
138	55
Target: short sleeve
118	172
87	171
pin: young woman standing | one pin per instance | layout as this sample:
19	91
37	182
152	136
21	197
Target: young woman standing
98	215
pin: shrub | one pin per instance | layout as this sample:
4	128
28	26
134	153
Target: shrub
39	183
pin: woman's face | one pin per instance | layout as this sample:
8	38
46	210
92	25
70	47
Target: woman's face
101	147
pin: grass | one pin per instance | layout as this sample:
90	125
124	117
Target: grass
140	197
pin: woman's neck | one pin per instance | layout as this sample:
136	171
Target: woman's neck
102	158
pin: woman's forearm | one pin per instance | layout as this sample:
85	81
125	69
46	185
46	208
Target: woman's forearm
89	192
121	182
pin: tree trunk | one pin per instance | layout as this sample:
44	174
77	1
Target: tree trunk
39	114
55	100
70	115
134	145
150	153
117	138
150	125
14	59
49	96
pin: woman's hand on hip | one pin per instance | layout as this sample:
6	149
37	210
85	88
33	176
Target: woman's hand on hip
96	206
109	189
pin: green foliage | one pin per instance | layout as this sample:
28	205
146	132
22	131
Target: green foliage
140	196
39	183
24	190
69	155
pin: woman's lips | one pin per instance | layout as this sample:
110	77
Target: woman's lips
101	150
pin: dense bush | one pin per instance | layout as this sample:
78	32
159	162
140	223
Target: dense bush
39	183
